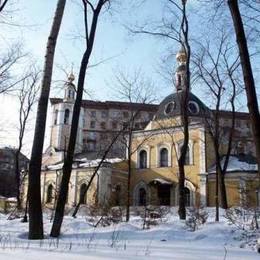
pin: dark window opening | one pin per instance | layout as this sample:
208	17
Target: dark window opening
187	197
142	197
164	157
164	194
66	116
83	189
143	159
50	194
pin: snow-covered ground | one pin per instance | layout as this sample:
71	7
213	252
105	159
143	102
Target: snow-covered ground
171	239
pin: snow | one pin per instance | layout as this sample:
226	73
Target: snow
84	163
161	181
235	164
170	239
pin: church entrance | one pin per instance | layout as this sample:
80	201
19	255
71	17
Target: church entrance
164	194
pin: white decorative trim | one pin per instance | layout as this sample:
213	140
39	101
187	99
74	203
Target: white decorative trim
203	174
202	152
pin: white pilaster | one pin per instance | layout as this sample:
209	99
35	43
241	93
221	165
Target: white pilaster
203	174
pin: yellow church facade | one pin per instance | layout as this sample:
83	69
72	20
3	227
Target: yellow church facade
156	149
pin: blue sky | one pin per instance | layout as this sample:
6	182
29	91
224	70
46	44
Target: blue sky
113	42
114	45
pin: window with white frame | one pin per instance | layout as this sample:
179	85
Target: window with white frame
164	154
142	159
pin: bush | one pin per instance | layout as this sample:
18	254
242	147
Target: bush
196	216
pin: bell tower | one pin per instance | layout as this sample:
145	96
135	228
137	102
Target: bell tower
69	93
180	74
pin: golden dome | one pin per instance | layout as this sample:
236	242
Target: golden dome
71	77
181	56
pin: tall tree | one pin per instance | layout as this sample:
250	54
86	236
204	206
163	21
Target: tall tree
134	89
2	5
34	188
178	33
27	96
218	69
68	160
12	57
249	82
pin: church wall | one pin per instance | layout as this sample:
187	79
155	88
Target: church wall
251	187
103	190
55	157
210	152
119	198
83	176
154	171
239	187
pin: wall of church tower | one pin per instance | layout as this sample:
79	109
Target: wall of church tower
60	126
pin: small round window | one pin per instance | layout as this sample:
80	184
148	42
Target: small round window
169	108
193	107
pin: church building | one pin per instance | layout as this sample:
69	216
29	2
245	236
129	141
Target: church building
155	149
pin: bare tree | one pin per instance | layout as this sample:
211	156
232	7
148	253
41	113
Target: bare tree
92	16
134	89
34	188
218	68
249	81
2	5
177	30
8	62
27	96
104	156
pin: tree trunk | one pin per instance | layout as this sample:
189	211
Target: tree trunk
34	188
2	6
17	178
248	77
223	192
95	172
184	148
128	178
217	195
182	209
68	160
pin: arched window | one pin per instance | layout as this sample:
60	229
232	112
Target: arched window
187	197
163	157
83	188
50	195
142	197
56	117
143	159
71	93
66	116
